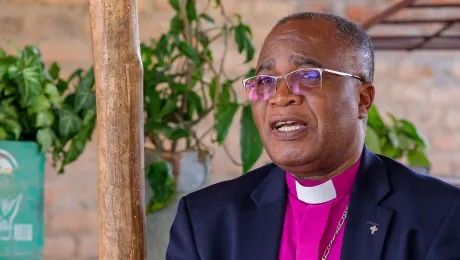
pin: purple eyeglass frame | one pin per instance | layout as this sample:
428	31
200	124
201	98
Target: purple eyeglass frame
321	70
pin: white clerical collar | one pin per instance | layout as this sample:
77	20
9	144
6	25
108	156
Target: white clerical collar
316	194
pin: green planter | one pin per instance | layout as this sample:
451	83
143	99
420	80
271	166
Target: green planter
21	200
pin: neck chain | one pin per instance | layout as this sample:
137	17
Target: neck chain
337	230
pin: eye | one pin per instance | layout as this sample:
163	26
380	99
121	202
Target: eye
310	75
262	80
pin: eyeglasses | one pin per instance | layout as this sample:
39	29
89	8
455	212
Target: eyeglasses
262	87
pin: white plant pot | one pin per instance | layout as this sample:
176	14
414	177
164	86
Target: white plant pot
192	175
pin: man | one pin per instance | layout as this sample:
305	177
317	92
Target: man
326	196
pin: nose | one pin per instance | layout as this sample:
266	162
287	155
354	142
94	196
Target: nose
284	96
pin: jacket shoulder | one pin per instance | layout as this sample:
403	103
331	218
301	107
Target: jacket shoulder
410	185
229	190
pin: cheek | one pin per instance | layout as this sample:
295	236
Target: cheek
258	112
334	111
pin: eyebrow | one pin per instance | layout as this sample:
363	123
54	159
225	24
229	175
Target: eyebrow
298	60
268	64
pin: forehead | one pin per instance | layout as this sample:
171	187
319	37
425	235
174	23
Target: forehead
313	39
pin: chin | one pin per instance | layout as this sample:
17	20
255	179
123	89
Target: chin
290	157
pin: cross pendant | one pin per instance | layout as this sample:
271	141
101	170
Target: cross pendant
373	229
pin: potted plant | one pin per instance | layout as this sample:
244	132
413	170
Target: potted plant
190	102
399	140
39	113
185	85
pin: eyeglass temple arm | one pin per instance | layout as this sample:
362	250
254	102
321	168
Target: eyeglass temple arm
344	74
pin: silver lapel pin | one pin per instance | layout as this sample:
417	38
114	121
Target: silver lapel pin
373	229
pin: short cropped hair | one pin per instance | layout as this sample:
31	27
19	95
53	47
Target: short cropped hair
348	31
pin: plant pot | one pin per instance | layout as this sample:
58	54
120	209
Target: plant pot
22	169
191	174
425	170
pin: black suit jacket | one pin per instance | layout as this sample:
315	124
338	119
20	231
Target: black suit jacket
417	216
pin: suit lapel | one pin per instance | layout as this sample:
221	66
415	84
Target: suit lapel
260	223
368	220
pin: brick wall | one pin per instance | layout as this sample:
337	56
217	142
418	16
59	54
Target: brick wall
422	87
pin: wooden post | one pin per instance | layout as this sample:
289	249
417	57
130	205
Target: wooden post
119	90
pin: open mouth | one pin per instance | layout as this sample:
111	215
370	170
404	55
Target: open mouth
288	126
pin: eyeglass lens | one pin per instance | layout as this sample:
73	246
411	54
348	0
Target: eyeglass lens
261	88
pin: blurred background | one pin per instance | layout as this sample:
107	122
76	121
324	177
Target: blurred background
421	86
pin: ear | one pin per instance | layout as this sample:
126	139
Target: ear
366	98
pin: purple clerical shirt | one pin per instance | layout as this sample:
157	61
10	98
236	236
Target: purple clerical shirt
309	227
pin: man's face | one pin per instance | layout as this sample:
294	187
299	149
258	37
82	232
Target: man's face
330	118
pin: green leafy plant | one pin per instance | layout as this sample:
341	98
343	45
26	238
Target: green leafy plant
186	82
37	105
399	139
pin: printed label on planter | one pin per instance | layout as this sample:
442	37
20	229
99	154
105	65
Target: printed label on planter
21	200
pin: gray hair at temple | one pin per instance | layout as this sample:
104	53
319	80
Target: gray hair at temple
348	31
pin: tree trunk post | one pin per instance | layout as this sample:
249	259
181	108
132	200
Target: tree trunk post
119	92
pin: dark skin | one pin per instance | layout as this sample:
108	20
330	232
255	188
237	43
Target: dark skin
335	115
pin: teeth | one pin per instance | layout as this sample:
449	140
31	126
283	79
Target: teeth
289	128
284	123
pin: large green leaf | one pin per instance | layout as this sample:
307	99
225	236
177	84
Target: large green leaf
38	104
194	104
53	93
224	121
3	134
413	133
178	133
162	184
45	118
206	17
372	140
89	117
30	83
54	70
153	106
174	4
191	10
45	138
176	25
12	126
243	41
374	120
7	109
31	77
213	88
85	97
170	106
251	145
5	63
417	158
69	123
77	145
189	52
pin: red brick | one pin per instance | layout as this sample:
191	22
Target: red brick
452	118
74	221
307	6
161	6
445	1
59	247
441	96
440	164
407	93
66	51
360	13
88	246
446	141
11	25
60	2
